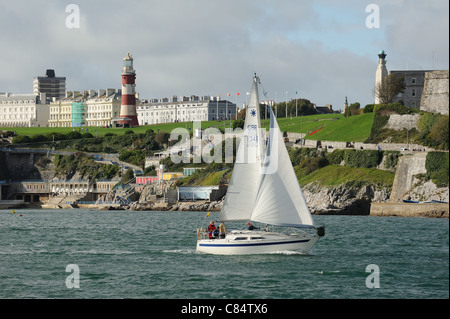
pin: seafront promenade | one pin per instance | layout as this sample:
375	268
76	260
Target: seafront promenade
434	210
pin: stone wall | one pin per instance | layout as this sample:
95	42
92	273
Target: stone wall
435	93
409	210
332	145
407	167
401	122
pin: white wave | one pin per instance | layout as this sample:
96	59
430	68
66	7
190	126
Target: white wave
179	251
288	252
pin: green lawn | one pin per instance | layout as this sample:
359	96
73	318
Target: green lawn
102	131
333	175
334	127
347	129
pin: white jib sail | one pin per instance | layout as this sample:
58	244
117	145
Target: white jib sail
279	199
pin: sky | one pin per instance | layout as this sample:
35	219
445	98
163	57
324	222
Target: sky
321	50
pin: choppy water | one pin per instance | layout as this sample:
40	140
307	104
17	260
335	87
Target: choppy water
122	254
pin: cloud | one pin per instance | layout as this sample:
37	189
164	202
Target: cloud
321	49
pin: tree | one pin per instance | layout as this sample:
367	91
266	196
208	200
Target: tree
440	132
129	175
294	106
353	109
162	138
390	87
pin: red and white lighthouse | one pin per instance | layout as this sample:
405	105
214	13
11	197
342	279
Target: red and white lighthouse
128	115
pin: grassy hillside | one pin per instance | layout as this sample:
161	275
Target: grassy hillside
333	175
334	127
347	129
99	131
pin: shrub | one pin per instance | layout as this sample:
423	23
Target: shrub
391	159
336	157
162	138
87	135
368	108
439	134
426	122
56	136
129	175
74	135
20	139
365	159
38	138
395	107
437	165
315	164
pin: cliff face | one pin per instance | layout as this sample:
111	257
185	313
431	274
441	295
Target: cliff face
408	185
343	199
435	92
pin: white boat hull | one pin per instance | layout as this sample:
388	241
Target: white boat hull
257	242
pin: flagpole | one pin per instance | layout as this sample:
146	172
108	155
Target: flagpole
226	112
276	105
286	104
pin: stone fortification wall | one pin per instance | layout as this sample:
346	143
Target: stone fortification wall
409	210
401	122
407	167
435	92
331	145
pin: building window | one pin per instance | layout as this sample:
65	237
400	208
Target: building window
413	92
413	80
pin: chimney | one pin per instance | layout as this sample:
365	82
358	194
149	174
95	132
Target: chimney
50	73
110	92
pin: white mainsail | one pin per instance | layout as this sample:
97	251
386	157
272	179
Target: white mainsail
241	193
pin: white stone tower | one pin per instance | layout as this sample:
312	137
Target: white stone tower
381	73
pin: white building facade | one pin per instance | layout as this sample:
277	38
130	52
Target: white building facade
102	107
23	110
86	108
185	109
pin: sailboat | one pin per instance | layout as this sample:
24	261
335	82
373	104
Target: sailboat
263	189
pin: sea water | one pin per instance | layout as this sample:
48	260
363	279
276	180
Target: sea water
128	254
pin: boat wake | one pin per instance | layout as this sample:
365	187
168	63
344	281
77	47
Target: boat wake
180	251
288	252
329	272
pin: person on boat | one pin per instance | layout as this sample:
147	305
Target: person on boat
222	230
211	229
251	227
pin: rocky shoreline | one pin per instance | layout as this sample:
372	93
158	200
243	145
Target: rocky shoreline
376	209
338	200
